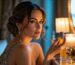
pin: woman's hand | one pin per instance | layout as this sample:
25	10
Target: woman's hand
55	48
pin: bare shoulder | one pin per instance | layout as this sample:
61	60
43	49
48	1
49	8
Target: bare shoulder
37	45
22	49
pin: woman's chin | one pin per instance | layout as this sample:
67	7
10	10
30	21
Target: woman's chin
37	37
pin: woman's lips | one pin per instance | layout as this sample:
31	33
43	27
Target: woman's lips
37	32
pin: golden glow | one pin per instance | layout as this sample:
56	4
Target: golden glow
70	40
72	29
62	25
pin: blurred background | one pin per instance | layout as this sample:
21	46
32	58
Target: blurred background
54	9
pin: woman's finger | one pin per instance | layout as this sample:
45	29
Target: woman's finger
55	43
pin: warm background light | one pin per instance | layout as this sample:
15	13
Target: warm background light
70	40
62	25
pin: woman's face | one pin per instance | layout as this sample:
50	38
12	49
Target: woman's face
34	27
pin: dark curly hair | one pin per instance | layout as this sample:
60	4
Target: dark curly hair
22	10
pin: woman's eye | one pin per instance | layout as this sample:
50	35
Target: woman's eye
32	21
41	22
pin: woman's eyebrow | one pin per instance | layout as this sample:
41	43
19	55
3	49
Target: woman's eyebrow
36	19
33	18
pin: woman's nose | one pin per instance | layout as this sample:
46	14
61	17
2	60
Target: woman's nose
37	25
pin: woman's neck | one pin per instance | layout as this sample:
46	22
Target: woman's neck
24	39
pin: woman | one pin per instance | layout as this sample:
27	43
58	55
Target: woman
25	24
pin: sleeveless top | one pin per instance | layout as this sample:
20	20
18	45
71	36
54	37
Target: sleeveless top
5	56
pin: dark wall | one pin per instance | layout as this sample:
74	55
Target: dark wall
61	8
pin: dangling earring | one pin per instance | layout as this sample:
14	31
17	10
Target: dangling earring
19	32
24	32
